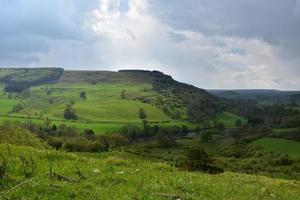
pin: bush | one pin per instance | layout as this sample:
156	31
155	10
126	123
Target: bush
111	141
55	142
142	113
17	108
165	139
198	160
78	144
69	112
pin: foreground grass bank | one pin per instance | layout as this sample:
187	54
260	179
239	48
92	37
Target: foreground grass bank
117	175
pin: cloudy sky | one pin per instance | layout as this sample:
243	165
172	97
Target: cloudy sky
209	43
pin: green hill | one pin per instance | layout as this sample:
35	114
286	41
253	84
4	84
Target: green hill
111	98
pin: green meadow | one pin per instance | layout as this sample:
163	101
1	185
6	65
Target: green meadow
278	145
103	109
229	119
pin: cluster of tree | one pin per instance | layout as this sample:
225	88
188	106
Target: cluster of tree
17	108
200	104
196	159
88	142
22	78
289	134
70	112
70	138
82	95
255	159
247	133
164	136
276	115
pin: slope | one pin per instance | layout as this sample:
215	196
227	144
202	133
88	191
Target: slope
117	175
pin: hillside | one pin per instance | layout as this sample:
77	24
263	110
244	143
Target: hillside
113	98
47	174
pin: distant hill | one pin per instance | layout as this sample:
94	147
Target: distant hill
265	96
199	103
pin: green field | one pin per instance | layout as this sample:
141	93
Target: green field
103	110
289	147
118	175
229	119
103	102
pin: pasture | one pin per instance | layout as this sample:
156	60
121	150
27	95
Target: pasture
284	146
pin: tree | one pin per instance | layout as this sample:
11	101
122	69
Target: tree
206	125
197	159
165	139
18	107
123	94
238	123
69	112
82	95
89	134
206	136
142	113
221	126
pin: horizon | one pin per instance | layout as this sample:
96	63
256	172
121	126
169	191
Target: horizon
216	44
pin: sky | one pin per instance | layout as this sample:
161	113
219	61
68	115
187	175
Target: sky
213	44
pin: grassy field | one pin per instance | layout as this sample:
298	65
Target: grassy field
229	119
289	147
117	175
103	110
103	102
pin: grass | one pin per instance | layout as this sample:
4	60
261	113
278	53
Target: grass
7	105
228	119
284	146
103	102
117	175
103	110
97	127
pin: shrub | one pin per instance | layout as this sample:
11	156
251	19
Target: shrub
111	141
165	139
78	144
142	113
198	160
69	112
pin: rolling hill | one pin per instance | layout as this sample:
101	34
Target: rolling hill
113	98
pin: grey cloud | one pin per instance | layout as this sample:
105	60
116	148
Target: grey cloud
277	22
29	27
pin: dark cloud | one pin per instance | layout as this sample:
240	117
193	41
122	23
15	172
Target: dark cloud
29	27
277	22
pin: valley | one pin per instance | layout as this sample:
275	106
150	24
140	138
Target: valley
146	133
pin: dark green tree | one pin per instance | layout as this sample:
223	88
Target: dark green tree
142	113
123	94
238	123
69	112
206	136
82	95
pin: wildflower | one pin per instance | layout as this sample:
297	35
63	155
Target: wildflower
96	171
